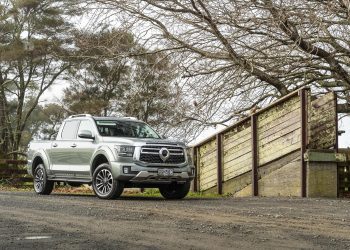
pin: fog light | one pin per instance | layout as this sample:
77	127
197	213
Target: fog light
126	170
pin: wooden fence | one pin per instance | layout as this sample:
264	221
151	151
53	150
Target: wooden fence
13	172
264	154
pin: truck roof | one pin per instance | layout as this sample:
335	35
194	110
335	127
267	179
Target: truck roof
116	118
128	118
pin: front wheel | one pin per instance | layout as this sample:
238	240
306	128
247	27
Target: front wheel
175	191
103	184
41	184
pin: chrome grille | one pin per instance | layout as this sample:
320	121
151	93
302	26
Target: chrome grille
150	154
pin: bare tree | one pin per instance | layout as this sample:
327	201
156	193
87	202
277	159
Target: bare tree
238	54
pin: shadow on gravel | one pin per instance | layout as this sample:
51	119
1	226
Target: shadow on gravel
133	197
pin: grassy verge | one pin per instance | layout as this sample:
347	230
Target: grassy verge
153	192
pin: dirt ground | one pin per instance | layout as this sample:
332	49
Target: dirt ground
68	221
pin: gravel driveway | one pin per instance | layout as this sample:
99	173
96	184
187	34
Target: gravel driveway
66	221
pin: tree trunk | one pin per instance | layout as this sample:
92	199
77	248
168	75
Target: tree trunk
3	126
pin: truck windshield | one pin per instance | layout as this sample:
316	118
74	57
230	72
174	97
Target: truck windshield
117	128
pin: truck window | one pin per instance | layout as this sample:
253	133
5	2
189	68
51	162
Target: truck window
70	130
86	125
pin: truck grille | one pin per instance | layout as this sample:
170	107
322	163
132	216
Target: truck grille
150	154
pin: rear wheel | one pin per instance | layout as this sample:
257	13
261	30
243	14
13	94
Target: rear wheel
103	184
41	184
175	191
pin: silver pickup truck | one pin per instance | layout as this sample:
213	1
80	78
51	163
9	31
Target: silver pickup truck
110	154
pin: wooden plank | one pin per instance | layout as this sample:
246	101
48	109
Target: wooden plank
326	109
241	138
321	128
238	163
205	178
235	158
208	172
278	111
14	162
278	134
322	122
12	171
278	163
207	183
286	140
268	156
236	152
235	130
243	168
292	115
323	100
209	157
208	186
207	148
323	116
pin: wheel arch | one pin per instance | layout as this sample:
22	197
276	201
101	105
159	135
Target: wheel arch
98	159
39	158
102	155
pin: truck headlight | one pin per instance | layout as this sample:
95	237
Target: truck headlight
125	151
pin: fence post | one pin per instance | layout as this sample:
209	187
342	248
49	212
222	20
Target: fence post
254	140
195	181
219	161
304	131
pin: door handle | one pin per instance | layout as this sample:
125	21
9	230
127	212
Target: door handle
54	145
73	145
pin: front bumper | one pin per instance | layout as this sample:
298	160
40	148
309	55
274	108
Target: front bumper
140	174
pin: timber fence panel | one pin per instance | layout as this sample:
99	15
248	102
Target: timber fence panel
323	122
268	146
279	130
207	165
13	172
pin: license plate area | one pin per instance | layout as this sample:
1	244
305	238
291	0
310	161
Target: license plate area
165	172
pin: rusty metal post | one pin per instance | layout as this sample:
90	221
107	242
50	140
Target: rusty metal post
254	142
219	161
304	134
336	136
195	181
336	122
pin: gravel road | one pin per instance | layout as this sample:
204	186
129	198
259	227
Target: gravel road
66	221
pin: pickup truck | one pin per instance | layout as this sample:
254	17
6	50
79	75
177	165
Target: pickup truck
110	154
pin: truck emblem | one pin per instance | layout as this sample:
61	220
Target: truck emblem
164	154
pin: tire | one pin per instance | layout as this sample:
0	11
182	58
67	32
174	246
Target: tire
103	184
41	184
74	184
175	191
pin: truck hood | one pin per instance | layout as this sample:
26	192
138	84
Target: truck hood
141	141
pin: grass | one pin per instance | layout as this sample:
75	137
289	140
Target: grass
154	192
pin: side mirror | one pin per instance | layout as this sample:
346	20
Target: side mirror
85	134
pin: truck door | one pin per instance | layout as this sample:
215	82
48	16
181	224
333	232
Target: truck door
62	156
84	149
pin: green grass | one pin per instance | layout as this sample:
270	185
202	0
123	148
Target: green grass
154	192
